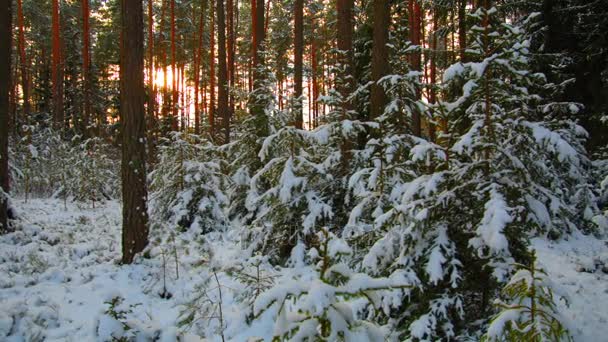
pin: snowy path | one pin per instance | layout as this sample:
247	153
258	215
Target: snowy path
59	270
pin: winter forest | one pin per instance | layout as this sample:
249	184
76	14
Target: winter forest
303	170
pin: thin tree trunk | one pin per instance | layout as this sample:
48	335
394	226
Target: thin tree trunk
212	74
86	60
462	28
24	63
257	107
57	70
222	78
197	69
151	89
132	97
254	43
298	60
315	82
415	27
174	72
6	34
231	52
345	45
433	71
380	67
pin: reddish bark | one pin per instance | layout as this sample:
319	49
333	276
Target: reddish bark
57	69
133	165
24	62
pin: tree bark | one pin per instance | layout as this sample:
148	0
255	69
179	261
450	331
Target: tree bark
198	57
415	28
86	60
175	94
380	67
132	97
462	28
5	84
345	45
298	60
212	75
257	106
24	63
57	70
230	47
151	89
222	78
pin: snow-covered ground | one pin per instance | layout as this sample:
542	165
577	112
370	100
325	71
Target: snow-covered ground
59	271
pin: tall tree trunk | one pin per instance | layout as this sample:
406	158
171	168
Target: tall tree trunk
258	36
415	29
345	45
257	106
132	97
380	67
222	77
298	60
174	100
254	42
315	82
231	52
198	57
433	53
163	56
57	70
86	60
462	28
24	63
151	72
212	74
6	34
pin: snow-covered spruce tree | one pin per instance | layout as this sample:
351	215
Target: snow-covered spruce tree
189	184
318	296
249	136
528	312
499	177
299	180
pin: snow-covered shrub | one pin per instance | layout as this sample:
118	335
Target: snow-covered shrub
188	184
528	311
86	171
43	163
319	296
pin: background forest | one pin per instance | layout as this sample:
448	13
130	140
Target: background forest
308	169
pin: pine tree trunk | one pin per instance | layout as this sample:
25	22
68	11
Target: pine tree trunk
151	89
380	67
174	100
257	107
231	52
212	74
415	28
5	85
132	97
198	57
86	60
222	77
57	70
345	45
433	71
25	87
462	28
298	60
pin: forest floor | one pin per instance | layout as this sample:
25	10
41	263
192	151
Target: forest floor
59	274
